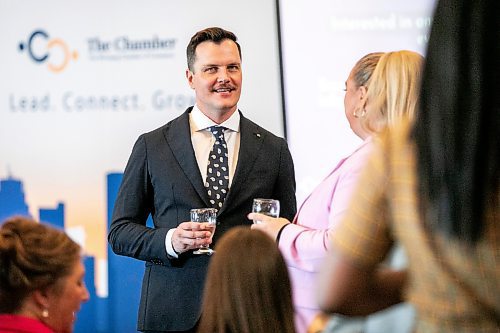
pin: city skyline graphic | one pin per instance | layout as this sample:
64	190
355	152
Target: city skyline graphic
112	314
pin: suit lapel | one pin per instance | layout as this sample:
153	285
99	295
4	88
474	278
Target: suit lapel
251	139
178	136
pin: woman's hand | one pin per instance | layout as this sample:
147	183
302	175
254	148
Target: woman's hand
270	225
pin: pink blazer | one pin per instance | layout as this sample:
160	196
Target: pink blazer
304	243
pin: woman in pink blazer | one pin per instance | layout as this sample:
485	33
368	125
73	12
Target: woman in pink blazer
305	241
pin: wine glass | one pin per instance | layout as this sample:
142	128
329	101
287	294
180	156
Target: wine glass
208	216
269	207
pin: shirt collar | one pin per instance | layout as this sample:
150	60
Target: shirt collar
201	122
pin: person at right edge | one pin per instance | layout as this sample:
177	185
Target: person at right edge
434	186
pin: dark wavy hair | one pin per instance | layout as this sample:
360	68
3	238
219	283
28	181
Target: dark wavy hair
457	129
247	288
214	34
33	256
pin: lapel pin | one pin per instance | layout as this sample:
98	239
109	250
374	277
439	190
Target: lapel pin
257	135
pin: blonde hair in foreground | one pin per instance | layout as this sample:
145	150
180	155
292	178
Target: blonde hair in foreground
393	90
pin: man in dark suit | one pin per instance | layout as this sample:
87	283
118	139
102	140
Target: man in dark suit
166	176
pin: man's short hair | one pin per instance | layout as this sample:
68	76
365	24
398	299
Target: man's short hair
214	34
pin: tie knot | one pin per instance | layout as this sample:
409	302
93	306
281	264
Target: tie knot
217	181
217	131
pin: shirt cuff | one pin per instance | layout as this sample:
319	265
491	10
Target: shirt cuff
168	244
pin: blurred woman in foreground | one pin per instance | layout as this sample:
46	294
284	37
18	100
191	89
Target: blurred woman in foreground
435	187
247	288
41	278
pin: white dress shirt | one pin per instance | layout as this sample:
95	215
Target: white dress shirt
203	140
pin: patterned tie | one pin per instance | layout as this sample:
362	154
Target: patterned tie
217	182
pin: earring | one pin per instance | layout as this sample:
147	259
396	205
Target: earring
363	113
45	313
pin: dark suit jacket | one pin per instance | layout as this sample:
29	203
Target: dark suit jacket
162	178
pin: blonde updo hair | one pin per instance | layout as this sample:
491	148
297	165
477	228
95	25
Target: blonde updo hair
393	90
33	256
363	69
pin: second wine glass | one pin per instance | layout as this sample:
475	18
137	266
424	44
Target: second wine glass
269	207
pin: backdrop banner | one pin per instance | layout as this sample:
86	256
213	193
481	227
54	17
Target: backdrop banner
81	80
